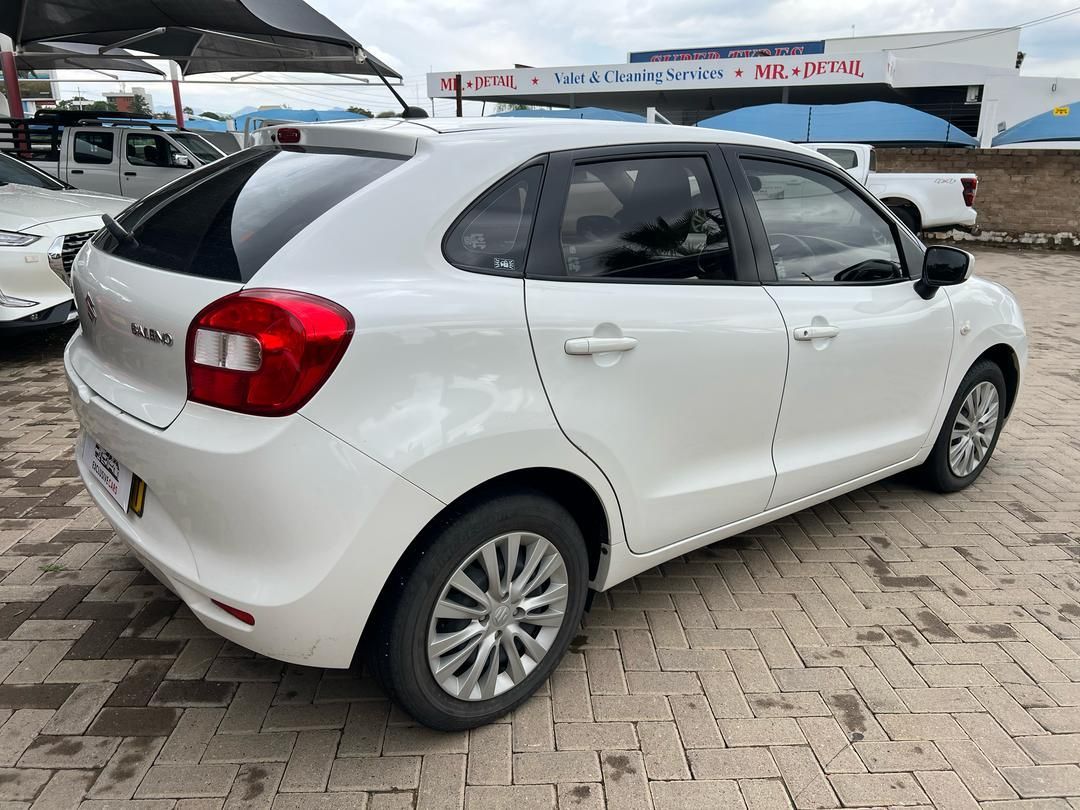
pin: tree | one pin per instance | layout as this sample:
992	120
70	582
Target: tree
140	106
83	103
188	111
388	114
361	111
214	115
167	115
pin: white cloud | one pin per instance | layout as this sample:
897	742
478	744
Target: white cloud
420	35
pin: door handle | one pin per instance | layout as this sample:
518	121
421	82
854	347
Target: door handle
76	171
598	345
129	174
815	332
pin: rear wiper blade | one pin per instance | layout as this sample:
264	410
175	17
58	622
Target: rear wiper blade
118	230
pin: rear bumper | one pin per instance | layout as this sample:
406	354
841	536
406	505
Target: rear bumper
275	517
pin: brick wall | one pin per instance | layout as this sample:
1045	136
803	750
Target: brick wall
1026	196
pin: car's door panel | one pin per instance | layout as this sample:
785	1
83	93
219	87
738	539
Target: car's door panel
864	399
673	388
93	159
146	163
868	355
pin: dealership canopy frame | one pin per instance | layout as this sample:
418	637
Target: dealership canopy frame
73	56
227	35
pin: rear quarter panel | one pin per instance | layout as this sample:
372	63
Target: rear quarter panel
439	383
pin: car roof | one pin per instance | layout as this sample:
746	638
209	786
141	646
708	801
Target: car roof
404	136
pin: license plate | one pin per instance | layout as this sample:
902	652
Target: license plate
110	473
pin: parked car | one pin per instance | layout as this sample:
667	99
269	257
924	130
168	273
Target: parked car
124	158
430	383
43	223
919	200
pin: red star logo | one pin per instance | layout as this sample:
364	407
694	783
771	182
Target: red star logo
738	71
794	71
469	84
535	80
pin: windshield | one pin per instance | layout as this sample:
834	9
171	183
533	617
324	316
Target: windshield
205	151
17	172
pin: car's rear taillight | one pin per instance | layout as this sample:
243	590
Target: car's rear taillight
971	185
264	352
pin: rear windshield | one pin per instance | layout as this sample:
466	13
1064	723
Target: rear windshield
225	220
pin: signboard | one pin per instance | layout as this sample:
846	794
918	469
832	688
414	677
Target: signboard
38	88
729	52
1061	112
860	68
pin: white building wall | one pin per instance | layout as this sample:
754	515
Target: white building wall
987	47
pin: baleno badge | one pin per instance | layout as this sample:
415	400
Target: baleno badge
153	335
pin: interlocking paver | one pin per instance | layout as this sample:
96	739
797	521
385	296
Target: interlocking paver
888	647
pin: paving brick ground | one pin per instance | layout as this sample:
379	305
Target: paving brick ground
890	647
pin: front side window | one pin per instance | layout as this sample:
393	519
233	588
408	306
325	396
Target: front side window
205	151
820	229
147	149
94	147
655	219
493	234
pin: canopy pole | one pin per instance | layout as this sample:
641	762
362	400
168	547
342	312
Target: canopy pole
11	84
177	102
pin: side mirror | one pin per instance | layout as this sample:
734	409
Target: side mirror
943	267
181	162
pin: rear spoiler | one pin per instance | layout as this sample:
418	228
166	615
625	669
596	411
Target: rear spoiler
386	136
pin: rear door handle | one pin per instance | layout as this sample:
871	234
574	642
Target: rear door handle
815	332
598	345
76	171
129	174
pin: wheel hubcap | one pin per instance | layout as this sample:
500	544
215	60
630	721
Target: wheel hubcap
973	430
497	616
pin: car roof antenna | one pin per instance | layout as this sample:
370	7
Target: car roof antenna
408	112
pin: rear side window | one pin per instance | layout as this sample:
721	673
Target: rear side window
94	147
225	220
493	234
845	157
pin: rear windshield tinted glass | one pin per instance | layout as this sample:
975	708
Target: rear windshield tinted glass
226	220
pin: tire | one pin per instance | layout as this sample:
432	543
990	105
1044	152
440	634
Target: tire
945	474
908	215
399	650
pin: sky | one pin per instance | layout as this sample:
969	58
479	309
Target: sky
416	36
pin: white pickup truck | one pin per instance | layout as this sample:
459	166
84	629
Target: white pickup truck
128	160
920	201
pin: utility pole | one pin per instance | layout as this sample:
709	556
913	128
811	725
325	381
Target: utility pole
457	93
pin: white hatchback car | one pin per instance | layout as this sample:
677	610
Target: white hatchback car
431	382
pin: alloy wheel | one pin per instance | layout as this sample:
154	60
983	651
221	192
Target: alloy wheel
497	616
973	430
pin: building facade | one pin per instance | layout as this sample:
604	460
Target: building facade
973	79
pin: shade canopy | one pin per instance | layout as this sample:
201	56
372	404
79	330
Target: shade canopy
863	122
72	56
1059	124
587	113
202	36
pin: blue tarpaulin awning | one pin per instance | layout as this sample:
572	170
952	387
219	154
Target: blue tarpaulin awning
1059	124
862	122
587	113
287	114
